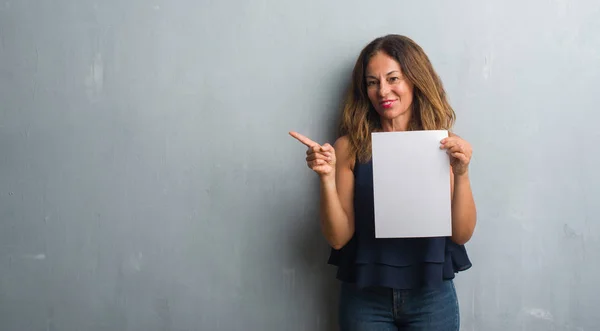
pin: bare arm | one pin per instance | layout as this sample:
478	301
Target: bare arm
464	214
334	168
337	192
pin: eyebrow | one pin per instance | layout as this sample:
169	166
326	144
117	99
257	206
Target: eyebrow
391	72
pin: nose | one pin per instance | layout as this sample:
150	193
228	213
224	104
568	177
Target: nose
384	89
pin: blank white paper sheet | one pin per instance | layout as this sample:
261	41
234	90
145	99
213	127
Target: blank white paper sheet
411	184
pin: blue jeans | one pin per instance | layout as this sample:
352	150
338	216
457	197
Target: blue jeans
385	309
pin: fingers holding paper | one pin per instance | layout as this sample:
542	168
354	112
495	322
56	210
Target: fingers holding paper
460	152
321	159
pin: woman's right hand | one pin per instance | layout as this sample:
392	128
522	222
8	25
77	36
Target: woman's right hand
321	159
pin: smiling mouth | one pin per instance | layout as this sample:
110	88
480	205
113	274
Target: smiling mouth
387	103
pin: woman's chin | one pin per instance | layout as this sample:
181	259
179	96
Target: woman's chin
390	114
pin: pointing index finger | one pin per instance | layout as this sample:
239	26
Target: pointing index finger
307	142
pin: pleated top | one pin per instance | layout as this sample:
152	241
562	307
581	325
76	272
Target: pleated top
399	263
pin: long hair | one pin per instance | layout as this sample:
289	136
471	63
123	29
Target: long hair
430	108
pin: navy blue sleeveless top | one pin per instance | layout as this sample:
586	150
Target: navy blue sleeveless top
399	263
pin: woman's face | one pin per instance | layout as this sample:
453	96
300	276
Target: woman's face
390	93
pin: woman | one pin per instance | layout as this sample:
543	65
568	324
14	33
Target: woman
391	284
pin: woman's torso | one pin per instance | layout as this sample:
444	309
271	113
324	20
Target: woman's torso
401	263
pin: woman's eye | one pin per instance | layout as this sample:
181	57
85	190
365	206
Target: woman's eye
394	79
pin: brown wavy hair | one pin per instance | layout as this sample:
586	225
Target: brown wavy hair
430	107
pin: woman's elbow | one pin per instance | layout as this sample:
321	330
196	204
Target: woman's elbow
338	244
462	236
461	239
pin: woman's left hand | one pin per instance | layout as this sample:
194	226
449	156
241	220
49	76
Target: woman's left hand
460	153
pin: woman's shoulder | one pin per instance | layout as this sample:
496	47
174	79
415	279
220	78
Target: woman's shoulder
342	143
343	151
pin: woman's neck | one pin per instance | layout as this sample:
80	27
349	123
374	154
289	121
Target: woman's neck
399	123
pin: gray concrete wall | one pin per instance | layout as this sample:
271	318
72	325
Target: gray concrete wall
147	181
